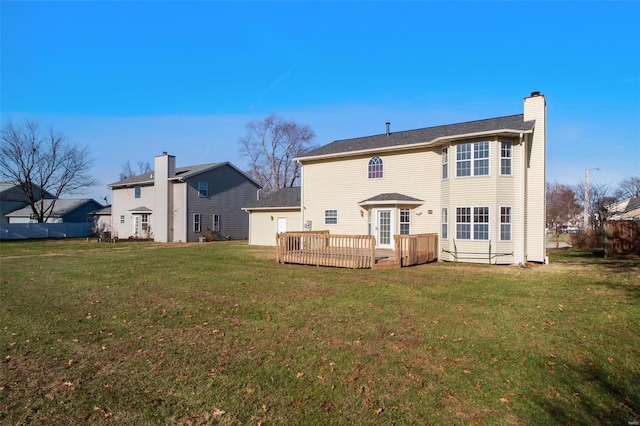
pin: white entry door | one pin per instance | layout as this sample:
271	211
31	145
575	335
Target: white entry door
282	224
384	226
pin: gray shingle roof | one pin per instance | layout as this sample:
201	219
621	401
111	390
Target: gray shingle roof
285	197
391	196
180	172
425	135
62	207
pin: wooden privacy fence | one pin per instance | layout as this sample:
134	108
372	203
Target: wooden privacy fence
622	237
415	249
323	249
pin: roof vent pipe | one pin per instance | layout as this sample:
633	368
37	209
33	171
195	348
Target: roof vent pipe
388	127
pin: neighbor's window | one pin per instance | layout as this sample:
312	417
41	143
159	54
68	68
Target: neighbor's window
196	222
121	218
137	190
445	163
405	221
203	189
445	223
376	168
463	223
505	157
505	223
481	223
216	223
331	217
145	222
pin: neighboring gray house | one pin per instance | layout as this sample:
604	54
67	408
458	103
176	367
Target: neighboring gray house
64	211
12	198
180	204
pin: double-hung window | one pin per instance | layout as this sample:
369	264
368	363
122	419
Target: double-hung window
203	189
505	223
405	221
474	219
216	223
505	157
137	191
331	217
445	223
445	163
145	222
197	222
463	159
376	168
472	159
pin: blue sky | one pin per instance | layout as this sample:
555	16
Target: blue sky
134	79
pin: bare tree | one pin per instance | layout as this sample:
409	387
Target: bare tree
628	187
43	163
270	146
128	171
562	205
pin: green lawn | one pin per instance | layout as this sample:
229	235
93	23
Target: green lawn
218	333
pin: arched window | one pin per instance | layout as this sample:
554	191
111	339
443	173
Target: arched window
376	168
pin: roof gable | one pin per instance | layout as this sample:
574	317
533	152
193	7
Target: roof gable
427	135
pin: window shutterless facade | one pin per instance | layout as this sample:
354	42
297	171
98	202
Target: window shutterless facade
472	159
216	223
445	163
145	222
137	191
505	157
476	219
405	221
376	168
203	189
331	217
445	223
197	222
505	223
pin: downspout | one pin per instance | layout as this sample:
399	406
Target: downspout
523	155
301	195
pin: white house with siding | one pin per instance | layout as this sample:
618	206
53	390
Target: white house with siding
479	185
181	204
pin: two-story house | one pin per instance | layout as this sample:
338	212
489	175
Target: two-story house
479	185
180	204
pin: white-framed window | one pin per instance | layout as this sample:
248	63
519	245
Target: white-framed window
505	223
405	221
145	222
121	218
376	168
203	189
463	159
137	191
331	217
197	222
472	159
505	157
481	223
216	223
478	222
445	223
445	163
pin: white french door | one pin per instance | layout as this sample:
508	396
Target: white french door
384	228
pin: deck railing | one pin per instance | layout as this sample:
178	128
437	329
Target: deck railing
416	249
323	249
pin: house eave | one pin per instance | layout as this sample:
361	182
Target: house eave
433	143
390	203
248	209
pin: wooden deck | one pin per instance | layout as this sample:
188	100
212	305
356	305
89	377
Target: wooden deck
354	251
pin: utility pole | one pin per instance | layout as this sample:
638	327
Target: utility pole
586	197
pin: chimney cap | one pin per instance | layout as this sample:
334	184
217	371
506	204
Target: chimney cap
164	152
535	94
